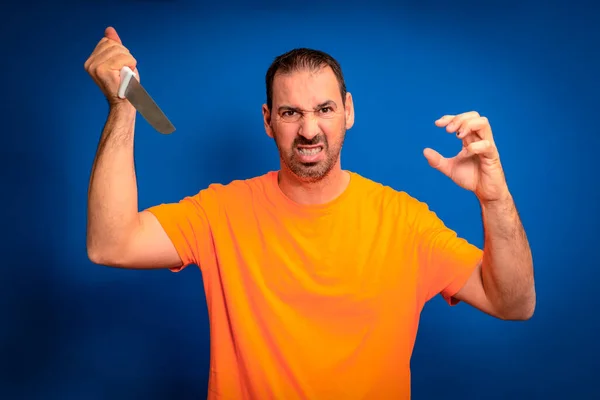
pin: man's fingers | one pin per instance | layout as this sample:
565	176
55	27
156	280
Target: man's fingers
437	161
120	60
445	120
479	126
111	38
100	46
458	120
453	122
106	54
103	51
484	148
110	51
106	61
111	33
469	126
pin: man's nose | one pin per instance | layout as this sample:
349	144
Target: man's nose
309	127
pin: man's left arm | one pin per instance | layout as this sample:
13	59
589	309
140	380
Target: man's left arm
503	284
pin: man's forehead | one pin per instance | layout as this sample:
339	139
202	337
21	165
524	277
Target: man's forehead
323	74
306	85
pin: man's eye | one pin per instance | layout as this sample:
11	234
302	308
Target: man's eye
325	110
288	113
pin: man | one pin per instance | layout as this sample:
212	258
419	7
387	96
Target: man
315	276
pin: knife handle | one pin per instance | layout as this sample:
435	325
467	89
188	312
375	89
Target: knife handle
126	75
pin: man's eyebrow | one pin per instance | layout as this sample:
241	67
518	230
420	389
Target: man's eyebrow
288	108
325	104
319	106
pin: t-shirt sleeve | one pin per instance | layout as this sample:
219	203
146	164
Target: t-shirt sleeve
187	224
446	261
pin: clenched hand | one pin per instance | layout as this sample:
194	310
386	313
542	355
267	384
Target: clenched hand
105	63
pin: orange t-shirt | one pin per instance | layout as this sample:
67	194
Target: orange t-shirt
314	302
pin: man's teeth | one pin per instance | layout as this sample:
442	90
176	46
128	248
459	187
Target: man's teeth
309	151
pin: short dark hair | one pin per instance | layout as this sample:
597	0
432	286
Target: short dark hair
303	58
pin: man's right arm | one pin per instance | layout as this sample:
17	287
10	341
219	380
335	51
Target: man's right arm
118	234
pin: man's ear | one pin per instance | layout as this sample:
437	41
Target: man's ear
349	111
267	120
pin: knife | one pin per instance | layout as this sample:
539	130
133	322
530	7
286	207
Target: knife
134	92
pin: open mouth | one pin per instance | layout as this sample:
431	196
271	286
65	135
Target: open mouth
310	151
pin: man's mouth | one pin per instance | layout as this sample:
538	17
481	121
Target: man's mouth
309	150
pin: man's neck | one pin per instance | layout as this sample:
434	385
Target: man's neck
310	193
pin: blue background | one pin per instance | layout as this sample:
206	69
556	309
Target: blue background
73	330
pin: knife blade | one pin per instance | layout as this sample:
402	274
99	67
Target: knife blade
131	89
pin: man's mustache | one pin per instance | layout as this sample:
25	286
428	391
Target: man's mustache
318	139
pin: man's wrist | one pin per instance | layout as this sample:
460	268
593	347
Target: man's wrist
121	108
504	201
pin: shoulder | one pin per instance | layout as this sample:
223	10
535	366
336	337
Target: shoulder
213	200
233	192
368	187
400	202
241	187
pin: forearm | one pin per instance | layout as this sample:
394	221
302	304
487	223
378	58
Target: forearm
112	193
507	269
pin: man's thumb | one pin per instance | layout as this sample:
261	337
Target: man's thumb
111	33
437	161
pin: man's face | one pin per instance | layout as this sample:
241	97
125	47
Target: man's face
308	121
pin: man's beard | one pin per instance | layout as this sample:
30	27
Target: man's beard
315	171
